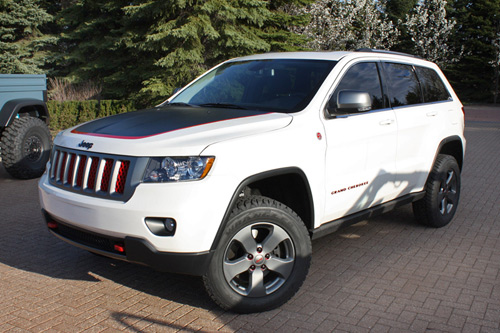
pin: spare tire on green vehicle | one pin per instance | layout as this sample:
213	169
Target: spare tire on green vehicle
26	145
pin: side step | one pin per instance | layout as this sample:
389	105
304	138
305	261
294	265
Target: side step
332	226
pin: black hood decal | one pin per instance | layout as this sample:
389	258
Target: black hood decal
150	122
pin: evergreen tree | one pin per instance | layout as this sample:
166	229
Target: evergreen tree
496	65
396	11
477	29
147	48
185	38
22	44
90	47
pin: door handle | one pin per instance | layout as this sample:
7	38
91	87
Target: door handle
386	122
431	113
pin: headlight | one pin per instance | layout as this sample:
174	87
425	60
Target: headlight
174	169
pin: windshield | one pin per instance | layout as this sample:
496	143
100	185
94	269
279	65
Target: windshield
278	85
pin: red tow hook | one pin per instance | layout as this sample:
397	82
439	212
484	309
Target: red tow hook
119	247
52	225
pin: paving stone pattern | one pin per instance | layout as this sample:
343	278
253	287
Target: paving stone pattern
387	274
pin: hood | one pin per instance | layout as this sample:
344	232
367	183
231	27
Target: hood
170	130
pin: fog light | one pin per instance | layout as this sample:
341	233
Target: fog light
52	225
169	225
161	226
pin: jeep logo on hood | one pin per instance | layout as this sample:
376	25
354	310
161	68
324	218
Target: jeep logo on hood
86	145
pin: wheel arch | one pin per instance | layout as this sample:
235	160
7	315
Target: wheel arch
452	146
23	106
289	186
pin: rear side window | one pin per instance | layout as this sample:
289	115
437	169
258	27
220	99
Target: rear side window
363	77
433	88
404	88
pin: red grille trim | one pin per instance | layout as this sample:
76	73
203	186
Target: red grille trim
93	173
122	177
81	170
106	175
71	169
89	174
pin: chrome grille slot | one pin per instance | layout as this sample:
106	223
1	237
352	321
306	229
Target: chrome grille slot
91	174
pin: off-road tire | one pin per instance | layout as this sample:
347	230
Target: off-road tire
259	223
26	145
440	203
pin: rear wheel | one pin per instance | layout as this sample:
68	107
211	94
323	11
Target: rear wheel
26	145
440	203
262	258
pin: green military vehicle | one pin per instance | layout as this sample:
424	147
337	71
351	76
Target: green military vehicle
25	139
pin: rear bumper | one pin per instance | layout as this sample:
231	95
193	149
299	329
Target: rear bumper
132	249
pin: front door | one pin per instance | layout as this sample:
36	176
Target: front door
361	148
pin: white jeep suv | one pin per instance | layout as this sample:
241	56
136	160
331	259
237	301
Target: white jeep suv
232	177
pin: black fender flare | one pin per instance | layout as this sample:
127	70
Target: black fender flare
251	179
439	150
11	109
444	142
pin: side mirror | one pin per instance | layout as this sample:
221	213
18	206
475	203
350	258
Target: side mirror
350	101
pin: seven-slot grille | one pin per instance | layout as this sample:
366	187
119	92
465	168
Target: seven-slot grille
91	174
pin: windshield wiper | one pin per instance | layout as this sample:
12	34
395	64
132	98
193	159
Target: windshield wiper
181	104
223	105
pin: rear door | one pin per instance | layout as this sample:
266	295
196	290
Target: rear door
415	96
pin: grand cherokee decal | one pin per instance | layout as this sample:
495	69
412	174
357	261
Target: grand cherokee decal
352	187
146	123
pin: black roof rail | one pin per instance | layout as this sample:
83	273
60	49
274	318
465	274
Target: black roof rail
388	52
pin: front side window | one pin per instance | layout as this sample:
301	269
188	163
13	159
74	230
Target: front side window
363	77
278	85
403	84
433	88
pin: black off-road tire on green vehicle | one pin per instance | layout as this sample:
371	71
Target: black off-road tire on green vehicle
26	145
440	203
262	258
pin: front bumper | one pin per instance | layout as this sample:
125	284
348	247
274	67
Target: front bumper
131	249
198	208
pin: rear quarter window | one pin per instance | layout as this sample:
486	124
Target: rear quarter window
432	86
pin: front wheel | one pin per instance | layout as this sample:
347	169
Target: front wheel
440	203
262	258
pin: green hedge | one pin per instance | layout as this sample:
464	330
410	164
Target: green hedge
70	113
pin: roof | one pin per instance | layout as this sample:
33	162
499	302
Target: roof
320	55
337	55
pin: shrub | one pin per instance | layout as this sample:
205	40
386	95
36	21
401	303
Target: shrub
64	90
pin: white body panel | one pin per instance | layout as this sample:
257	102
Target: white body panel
375	157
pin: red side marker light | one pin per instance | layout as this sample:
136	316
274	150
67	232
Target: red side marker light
119	247
52	225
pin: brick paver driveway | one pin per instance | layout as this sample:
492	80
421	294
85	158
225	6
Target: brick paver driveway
384	274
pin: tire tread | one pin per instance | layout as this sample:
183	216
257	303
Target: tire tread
423	209
11	143
246	205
